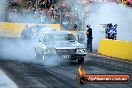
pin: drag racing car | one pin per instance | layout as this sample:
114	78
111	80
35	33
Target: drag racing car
61	44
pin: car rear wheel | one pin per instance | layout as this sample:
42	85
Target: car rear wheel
81	60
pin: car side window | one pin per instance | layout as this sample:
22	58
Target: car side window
71	37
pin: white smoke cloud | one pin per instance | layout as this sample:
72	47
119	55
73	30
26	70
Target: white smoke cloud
23	50
16	48
110	13
10	48
102	13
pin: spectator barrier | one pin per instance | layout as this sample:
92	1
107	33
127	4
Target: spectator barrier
8	29
116	48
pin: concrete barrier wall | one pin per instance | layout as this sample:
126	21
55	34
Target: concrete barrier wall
116	48
8	29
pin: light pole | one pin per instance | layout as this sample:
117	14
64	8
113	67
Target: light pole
36	4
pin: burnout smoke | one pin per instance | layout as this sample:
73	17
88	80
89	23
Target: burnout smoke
102	13
110	13
10	47
23	50
14	48
98	12
17	50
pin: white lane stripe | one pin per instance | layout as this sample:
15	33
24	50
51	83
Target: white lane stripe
5	81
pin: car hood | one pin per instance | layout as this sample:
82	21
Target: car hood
63	44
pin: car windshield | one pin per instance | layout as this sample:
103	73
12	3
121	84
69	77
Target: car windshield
67	37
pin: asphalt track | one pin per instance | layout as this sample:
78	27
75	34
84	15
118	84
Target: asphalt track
36	75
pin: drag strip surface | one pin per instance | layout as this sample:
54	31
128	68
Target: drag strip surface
63	75
28	75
